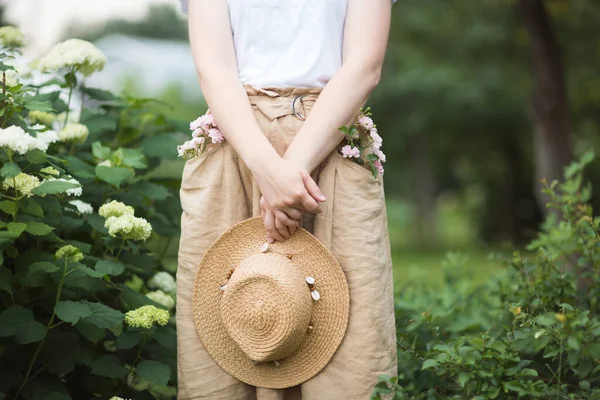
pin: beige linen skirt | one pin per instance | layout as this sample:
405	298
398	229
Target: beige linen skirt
218	191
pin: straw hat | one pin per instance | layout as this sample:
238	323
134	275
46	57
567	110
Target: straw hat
271	315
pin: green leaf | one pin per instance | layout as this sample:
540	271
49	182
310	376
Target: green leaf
36	105
166	337
97	222
100	151
573	343
154	371
104	316
134	158
16	228
100	95
90	332
529	372
88	271
30	332
113	175
134	299
31	207
161	146
109	267
128	340
429	364
12	318
150	190
56	396
54	187
10	170
79	168
585	385
38	228
109	366
5	280
43	266
8	206
72	311
36	156
463	378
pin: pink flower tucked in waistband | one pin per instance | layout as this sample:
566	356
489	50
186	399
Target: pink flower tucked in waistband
204	134
364	143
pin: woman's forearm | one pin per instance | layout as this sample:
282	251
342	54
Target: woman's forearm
214	56
348	90
337	105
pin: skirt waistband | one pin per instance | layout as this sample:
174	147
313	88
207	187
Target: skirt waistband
281	92
280	102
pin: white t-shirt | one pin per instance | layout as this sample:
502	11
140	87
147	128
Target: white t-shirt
287	43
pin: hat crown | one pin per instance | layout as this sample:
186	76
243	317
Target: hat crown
267	306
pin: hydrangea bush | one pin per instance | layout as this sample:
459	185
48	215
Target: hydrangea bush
84	216
531	333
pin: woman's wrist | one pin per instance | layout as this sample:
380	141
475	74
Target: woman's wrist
259	161
298	158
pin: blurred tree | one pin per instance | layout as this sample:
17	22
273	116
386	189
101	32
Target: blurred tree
550	108
163	22
458	75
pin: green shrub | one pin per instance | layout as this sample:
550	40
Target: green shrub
77	205
531	333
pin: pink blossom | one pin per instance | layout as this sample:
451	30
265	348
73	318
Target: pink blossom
349	152
377	140
379	167
208	122
185	148
216	135
196	124
366	122
198	141
197	133
379	154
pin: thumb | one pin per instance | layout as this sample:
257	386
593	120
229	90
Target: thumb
312	188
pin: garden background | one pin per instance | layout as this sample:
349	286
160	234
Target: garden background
479	102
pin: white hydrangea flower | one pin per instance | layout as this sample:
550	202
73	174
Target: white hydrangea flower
11	37
17	140
71	192
161	298
41	117
73	132
115	209
78	54
128	227
11	77
47	138
163	281
25	183
82	206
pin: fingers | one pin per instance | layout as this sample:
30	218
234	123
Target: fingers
272	231
285	219
312	188
281	227
310	204
293	213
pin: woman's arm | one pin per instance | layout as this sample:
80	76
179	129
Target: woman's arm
284	185
365	41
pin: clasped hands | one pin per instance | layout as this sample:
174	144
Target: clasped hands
288	191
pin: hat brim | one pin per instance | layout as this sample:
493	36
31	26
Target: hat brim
330	313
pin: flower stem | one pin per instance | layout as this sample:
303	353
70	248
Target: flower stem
71	87
3	98
121	249
48	327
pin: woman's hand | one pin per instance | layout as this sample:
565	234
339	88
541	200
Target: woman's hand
288	191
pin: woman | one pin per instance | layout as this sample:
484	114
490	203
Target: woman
280	77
